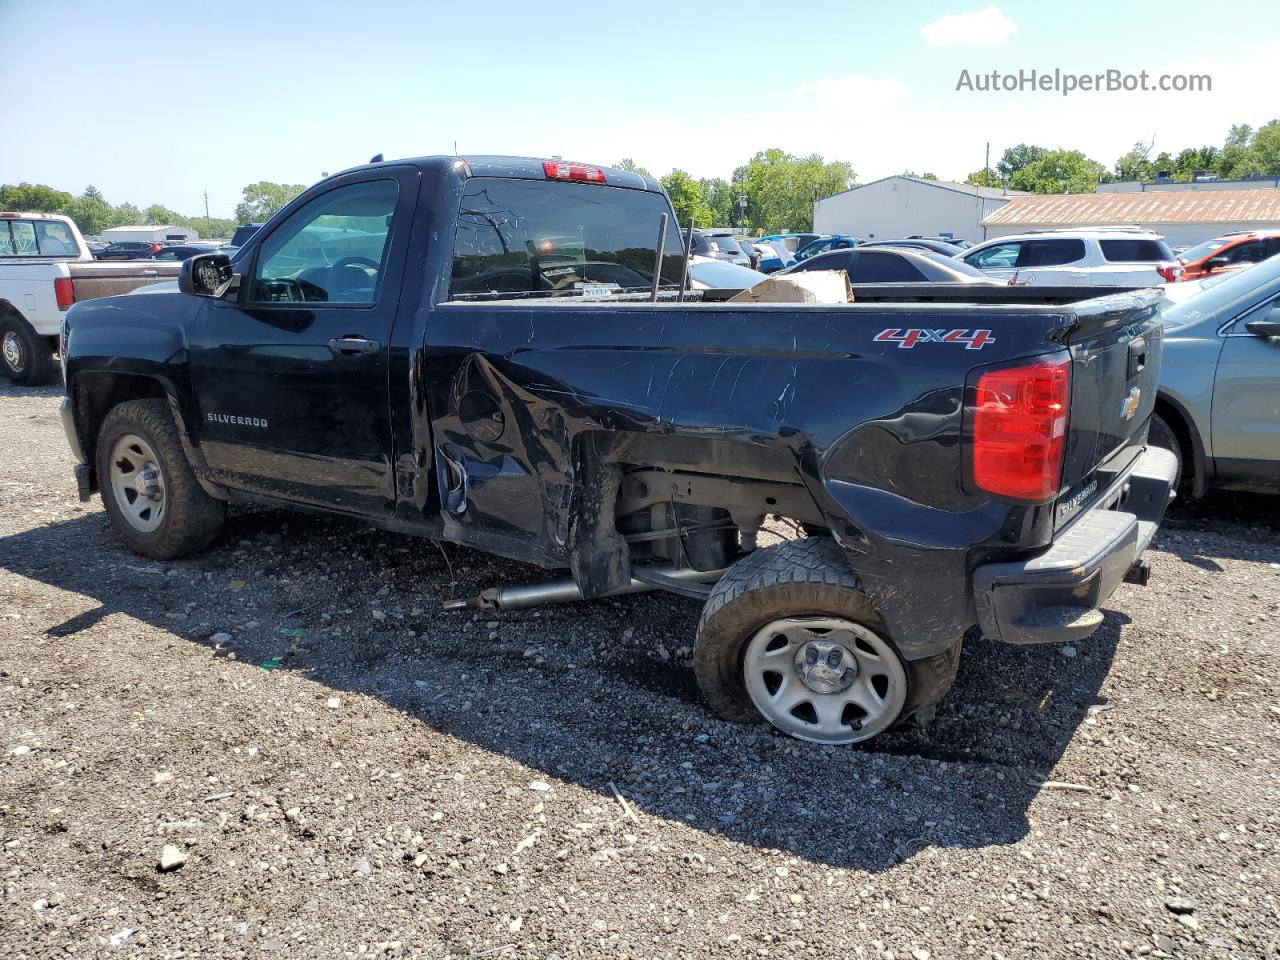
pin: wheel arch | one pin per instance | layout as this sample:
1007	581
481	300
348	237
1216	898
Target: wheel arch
95	392
1175	414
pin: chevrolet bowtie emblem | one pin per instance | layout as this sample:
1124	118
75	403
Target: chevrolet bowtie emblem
1130	405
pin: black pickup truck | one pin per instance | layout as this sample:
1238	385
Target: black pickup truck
499	352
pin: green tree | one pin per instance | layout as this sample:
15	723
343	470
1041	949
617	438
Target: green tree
920	176
1136	164
1060	171
1018	158
721	201
630	166
781	189
1264	149
688	199
1193	160
264	198
90	211
160	216
126	215
1236	160
986	177
32	198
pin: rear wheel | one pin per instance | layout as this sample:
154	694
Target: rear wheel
148	489
787	636
25	356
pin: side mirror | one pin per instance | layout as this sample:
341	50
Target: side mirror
1217	263
1268	328
206	275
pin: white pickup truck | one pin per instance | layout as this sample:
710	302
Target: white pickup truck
45	267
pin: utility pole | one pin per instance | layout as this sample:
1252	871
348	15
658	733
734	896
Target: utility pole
206	205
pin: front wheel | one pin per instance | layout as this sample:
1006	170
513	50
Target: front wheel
788	637
25	356
149	492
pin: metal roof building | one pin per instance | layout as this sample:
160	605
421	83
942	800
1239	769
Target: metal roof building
1183	217
900	206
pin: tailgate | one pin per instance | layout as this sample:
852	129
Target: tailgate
1115	352
93	279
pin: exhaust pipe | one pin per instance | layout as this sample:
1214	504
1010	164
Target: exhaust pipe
567	590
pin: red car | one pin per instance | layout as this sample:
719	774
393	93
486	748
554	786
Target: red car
1229	252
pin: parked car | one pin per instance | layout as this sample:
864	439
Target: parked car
825	244
1099	257
792	241
1229	252
181	251
952	241
239	237
717	246
707	273
867	264
986	467
773	257
130	250
95	247
919	243
1218	407
45	267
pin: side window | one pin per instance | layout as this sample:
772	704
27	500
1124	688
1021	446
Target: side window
874	267
1050	253
54	239
1251	252
329	251
24	238
832	261
996	256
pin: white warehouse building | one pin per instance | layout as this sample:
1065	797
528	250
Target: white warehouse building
149	234
902	206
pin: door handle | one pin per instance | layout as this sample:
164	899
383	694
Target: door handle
351	345
151	273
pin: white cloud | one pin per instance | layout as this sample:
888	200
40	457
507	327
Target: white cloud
982	28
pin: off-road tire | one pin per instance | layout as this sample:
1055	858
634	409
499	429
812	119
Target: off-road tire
192	518
1162	435
34	366
795	578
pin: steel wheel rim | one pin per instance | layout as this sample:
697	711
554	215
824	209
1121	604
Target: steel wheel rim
12	351
137	483
823	705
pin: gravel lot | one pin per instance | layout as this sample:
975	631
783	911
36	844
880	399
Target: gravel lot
284	748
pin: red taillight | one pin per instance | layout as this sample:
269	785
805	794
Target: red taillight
1171	273
1020	429
64	292
558	170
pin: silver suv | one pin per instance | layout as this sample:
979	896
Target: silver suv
1114	257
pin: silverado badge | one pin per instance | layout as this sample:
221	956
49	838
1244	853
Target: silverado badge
1130	405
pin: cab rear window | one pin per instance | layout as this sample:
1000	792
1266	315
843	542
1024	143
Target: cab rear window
1135	251
546	238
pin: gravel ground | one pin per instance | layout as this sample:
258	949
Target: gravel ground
283	747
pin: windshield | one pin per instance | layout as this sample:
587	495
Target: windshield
726	243
1218	294
538	238
1202	250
